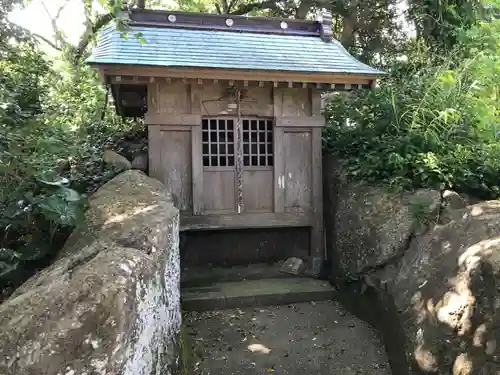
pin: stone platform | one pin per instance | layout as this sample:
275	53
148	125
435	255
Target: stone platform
253	293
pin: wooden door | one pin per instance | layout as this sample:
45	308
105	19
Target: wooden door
219	165
237	159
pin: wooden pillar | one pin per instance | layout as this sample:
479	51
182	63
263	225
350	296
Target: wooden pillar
196	153
279	160
317	242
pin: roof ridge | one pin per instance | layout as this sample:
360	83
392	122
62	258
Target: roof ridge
218	22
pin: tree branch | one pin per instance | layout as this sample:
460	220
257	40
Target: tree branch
230	5
247	8
37	36
53	20
43	39
59	11
86	38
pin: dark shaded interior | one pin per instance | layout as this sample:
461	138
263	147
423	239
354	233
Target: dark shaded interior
228	248
130	99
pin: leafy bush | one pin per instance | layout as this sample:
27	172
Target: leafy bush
35	211
432	122
53	128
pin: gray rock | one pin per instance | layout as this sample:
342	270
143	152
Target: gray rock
116	160
367	226
110	304
445	290
140	162
454	201
293	266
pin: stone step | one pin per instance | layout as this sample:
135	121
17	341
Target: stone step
255	293
202	276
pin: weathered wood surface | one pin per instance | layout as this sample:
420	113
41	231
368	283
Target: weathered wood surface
258	188
219	191
288	192
250	220
298	171
170	163
300	121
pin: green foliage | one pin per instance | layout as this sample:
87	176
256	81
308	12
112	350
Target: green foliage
53	127
434	121
31	209
440	22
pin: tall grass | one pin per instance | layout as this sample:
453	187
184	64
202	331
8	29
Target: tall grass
432	122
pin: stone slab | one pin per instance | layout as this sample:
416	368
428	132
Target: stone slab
254	293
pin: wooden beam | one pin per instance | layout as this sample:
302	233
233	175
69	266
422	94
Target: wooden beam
143	80
236	75
303	121
256	220
153	118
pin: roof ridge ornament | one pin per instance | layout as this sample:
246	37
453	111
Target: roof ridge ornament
325	20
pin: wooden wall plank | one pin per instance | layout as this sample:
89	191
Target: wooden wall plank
258	188
173	99
219	191
296	102
316	102
298	174
195	104
256	101
154	152
170	158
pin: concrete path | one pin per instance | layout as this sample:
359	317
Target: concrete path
318	338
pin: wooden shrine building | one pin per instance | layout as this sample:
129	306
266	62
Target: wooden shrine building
233	110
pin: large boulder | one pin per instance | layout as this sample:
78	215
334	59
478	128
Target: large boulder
110	304
116	160
140	161
368	226
446	288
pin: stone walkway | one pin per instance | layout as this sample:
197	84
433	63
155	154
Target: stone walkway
302	339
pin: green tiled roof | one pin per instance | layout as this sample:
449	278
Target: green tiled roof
193	48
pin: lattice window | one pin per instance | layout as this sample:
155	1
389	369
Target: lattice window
258	142
218	142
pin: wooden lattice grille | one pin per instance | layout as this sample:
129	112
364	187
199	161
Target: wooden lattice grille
218	142
257	142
